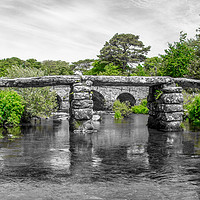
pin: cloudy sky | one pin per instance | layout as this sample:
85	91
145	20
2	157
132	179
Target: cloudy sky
72	30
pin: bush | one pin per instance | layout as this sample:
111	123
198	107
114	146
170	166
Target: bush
121	109
39	102
141	109
194	110
11	107
118	115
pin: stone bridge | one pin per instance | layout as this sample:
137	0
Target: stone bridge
104	96
165	99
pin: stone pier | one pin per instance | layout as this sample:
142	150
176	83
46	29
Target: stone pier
81	108
165	103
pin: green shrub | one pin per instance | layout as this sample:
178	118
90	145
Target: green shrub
10	133
39	102
188	98
118	115
121	108
11	107
144	102
141	109
194	110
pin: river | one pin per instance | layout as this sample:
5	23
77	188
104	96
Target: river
122	160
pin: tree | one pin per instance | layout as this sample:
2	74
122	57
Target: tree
104	68
139	71
59	67
32	63
123	49
82	65
7	63
111	70
178	57
153	66
194	69
195	43
98	67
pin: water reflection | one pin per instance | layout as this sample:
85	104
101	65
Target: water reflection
162	146
124	152
42	151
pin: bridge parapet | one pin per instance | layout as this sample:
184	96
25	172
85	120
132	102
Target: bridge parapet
97	81
39	81
128	80
187	83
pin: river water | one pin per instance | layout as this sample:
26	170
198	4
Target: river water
123	160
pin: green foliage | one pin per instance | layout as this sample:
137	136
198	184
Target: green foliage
56	67
49	66
188	98
104	68
98	67
19	71
139	71
194	110
158	93
31	63
39	102
141	109
153	66
121	109
10	133
77	124
111	70
123	49
194	69
118	115
82	65
11	107
177	58
195	43
9	62
191	105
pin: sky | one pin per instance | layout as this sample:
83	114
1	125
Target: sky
72	30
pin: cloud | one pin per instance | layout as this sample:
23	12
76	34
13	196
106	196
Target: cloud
76	29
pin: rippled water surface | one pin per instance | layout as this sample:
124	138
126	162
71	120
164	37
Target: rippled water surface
123	160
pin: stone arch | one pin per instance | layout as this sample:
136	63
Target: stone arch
127	97
98	101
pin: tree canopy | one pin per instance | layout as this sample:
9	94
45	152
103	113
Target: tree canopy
178	57
82	65
58	67
123	49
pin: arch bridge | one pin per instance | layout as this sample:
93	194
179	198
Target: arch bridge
165	99
104	96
